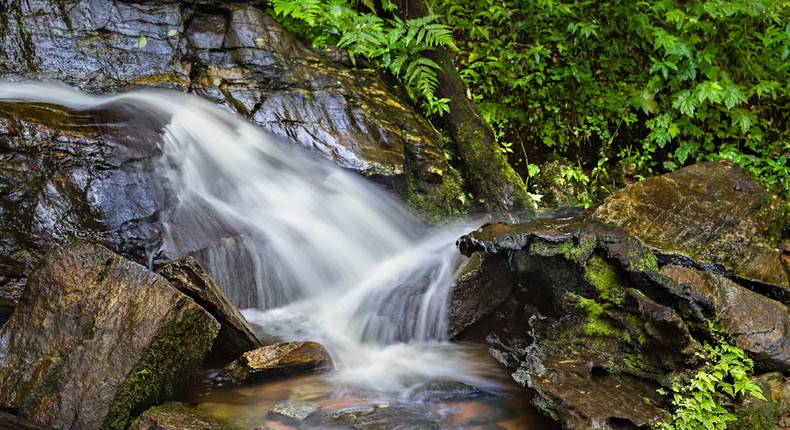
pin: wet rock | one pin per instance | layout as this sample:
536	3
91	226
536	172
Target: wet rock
97	337
285	358
374	417
711	215
176	416
758	325
293	410
65	175
240	57
590	318
13	422
580	398
235	335
444	390
483	285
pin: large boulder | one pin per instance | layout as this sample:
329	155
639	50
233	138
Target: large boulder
64	176
236	55
96	339
712	215
580	328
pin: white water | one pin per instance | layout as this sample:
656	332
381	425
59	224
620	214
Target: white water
316	252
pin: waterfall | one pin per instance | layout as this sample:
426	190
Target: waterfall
313	252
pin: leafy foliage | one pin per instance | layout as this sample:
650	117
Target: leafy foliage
390	43
657	84
699	402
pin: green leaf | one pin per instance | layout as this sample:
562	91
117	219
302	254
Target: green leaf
709	90
685	103
172	32
142	42
742	119
733	95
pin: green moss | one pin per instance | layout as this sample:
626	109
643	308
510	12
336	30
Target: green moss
605	278
167	365
439	202
641	259
593	323
567	248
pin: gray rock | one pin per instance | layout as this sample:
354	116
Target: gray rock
238	56
482	286
293	409
96	337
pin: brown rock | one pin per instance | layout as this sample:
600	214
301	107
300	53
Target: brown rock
176	416
95	337
711	213
759	325
276	360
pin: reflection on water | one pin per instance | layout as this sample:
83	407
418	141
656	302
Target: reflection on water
302	402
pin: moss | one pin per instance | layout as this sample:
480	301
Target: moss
641	259
593	323
167	365
567	248
605	278
439	202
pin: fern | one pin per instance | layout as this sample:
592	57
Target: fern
392	44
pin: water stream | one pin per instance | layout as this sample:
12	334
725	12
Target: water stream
311	252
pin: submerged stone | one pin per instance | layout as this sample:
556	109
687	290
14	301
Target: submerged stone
97	337
711	215
374	417
280	359
293	409
176	416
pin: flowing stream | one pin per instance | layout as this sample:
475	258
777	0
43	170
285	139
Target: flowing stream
311	251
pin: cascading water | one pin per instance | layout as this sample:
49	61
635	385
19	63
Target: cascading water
324	255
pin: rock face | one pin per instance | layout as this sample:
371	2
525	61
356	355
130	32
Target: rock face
97	337
276	360
712	214
64	176
235	335
236	55
602	315
484	284
759	325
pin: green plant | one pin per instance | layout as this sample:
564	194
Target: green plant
389	42
662	83
699	402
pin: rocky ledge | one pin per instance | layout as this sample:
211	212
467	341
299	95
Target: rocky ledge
605	308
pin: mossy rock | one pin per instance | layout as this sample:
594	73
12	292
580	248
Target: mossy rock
97	339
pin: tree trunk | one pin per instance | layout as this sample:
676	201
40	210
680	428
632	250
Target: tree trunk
485	169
